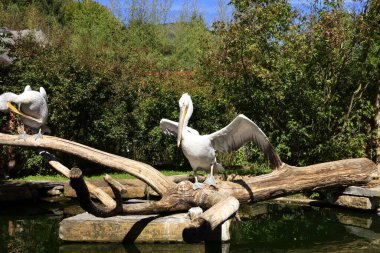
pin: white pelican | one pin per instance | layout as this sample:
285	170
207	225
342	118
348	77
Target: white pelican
200	149
32	107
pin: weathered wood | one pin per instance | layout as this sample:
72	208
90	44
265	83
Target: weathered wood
96	191
227	195
219	207
146	173
287	180
291	180
136	189
115	184
218	213
77	182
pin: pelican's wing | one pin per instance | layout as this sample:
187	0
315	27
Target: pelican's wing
240	131
171	127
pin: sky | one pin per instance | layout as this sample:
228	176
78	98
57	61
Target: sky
210	9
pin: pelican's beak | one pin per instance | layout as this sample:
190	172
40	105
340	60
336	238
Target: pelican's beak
182	116
15	110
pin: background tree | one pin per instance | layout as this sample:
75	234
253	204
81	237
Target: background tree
308	75
304	76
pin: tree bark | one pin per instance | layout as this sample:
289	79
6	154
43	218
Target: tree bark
220	202
95	191
377	121
78	183
142	171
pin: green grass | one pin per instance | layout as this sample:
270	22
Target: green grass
115	175
41	177
253	169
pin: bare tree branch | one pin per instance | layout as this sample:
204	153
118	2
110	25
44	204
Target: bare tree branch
142	171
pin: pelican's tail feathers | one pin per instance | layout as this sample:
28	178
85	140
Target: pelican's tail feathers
218	168
45	129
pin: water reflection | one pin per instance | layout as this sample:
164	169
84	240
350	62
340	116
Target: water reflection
20	234
368	235
145	248
290	228
264	228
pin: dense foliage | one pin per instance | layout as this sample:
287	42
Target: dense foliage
308	76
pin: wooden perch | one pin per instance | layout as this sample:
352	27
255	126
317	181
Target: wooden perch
290	179
142	171
220	202
96	191
77	182
218	213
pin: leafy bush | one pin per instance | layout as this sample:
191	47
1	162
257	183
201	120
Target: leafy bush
307	78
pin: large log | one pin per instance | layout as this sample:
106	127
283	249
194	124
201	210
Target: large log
142	171
221	202
96	191
290	179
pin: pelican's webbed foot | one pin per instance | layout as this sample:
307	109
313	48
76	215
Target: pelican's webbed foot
38	135
197	185
210	180
23	136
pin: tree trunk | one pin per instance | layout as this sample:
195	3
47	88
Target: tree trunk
377	122
220	202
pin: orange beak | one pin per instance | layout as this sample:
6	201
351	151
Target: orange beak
15	110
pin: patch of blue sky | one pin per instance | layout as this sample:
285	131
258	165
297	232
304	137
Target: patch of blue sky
212	10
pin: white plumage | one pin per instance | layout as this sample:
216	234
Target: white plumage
32	107
200	149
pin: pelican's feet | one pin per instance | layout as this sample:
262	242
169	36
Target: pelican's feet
198	185
210	180
23	136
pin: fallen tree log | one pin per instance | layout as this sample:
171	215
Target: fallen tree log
96	191
221	202
142	171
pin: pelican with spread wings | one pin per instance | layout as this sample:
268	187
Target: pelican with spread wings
32	107
200	149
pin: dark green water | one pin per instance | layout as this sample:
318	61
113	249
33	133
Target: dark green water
275	228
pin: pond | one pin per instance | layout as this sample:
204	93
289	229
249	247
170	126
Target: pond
274	228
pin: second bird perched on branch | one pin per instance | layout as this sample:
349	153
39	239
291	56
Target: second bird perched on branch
32	107
200	149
